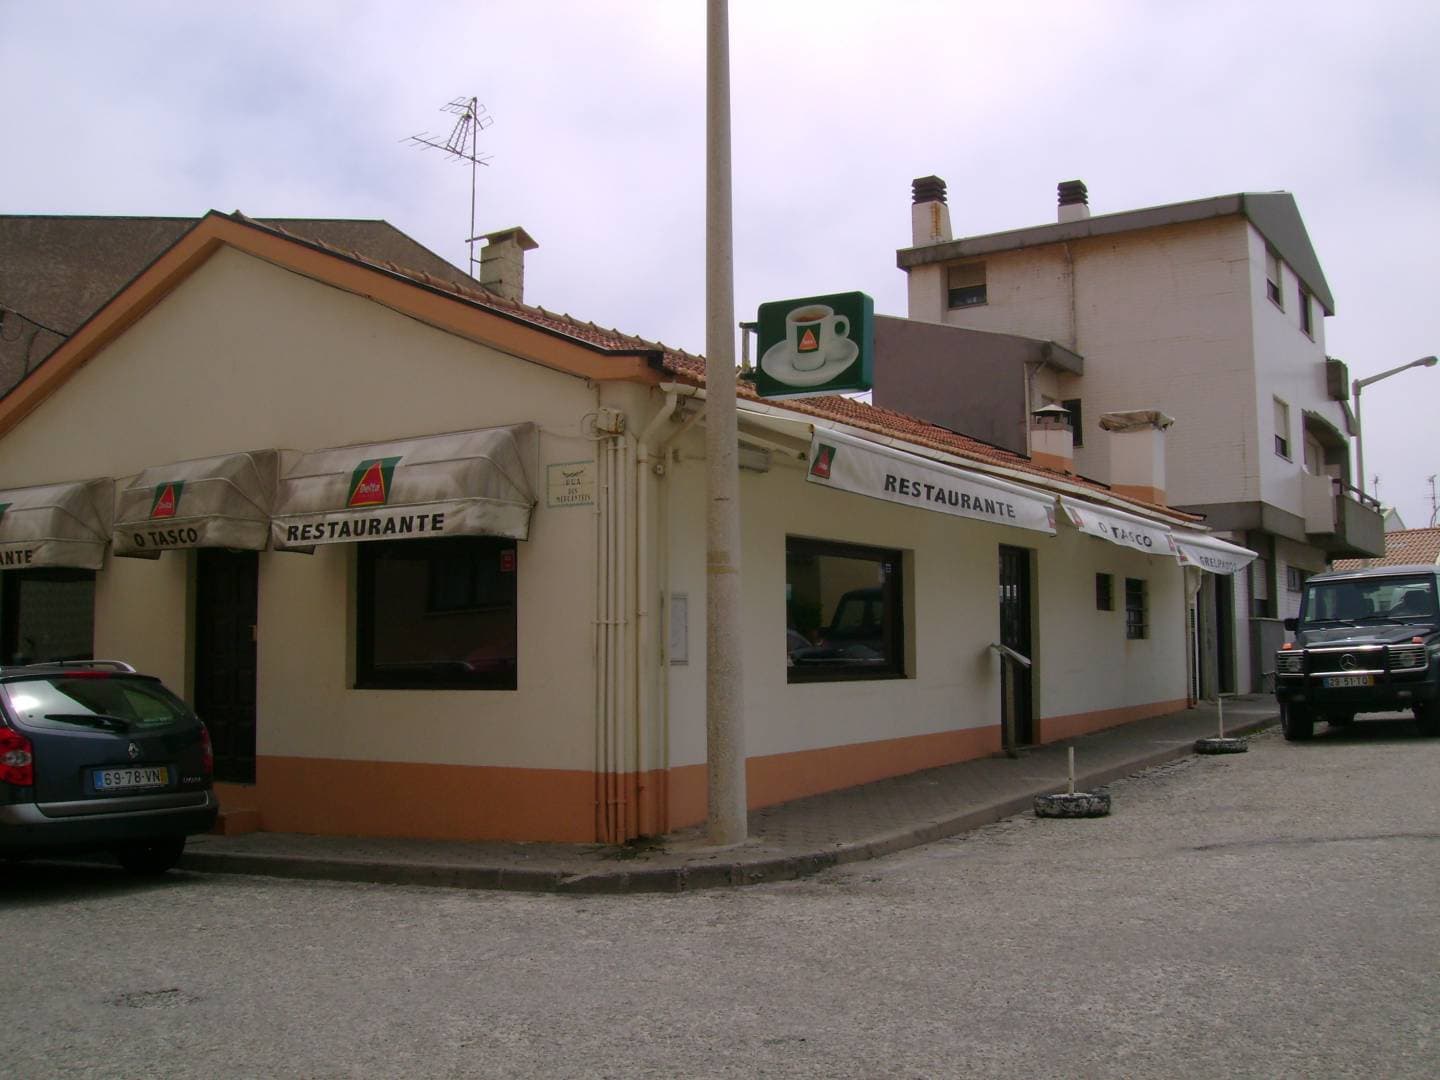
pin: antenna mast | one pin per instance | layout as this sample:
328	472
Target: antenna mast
1434	506
461	146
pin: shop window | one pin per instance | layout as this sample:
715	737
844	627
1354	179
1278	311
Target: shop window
843	611
47	614
436	614
1104	592
966	285
1136	626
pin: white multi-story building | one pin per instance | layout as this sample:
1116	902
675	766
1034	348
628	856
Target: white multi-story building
1210	312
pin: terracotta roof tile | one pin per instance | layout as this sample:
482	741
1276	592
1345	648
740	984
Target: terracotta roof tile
1403	547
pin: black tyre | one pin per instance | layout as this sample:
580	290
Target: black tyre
151	858
1297	722
1427	719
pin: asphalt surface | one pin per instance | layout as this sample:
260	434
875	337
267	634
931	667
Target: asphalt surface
1267	914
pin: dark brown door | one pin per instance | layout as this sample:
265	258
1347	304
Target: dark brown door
1015	634
225	615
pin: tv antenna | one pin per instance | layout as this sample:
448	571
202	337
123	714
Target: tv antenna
461	145
1434	506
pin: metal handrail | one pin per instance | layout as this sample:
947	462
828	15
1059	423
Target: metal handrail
1010	654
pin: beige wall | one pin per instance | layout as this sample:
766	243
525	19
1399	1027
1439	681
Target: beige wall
246	356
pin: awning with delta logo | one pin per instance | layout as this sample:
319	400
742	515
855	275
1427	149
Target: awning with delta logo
56	525
222	501
467	483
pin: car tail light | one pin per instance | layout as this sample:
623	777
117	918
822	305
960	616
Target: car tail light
17	763
207	753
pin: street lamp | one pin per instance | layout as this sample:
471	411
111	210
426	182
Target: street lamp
1355	388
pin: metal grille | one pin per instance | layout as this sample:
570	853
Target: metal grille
1407	657
1289	663
1342	661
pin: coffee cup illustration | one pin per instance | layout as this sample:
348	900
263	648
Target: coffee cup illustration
812	332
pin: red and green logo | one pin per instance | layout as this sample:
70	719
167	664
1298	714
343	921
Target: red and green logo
166	499
370	482
824	458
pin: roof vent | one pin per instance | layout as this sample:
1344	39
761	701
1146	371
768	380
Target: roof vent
1074	200
927	189
502	262
929	216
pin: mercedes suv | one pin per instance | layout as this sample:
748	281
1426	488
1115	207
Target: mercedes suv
1365	641
94	756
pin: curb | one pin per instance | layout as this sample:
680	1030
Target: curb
670	879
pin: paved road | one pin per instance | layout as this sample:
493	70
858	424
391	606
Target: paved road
1270	914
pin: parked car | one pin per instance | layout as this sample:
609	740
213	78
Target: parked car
1366	641
95	756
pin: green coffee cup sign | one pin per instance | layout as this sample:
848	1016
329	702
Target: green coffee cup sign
816	345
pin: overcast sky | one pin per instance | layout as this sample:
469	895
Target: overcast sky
299	109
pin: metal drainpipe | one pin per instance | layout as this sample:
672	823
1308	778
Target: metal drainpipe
615	677
602	688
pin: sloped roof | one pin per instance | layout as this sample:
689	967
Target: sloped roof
58	270
1273	213
613	353
1403	547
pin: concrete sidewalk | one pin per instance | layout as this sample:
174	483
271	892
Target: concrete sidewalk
786	841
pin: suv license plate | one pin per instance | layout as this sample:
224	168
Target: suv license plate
131	778
1349	680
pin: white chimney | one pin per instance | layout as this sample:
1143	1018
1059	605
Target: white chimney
929	215
1137	453
502	262
1074	201
1052	440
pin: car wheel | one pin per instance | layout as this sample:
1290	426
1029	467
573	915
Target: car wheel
151	857
1427	719
1297	723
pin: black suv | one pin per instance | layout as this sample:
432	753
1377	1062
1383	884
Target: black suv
1365	641
94	756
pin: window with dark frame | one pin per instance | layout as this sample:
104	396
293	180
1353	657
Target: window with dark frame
966	285
1272	278
1295	578
1072	406
1135	614
436	614
47	613
1282	429
1104	592
844	618
1307	318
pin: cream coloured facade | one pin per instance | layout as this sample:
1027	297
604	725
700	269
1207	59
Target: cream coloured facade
241	338
1211	312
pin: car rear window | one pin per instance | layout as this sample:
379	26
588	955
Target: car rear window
67	701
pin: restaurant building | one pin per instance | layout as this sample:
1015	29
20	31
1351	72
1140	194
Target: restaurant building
429	561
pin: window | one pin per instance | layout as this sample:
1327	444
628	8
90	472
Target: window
1272	278
1295	578
1135	626
842	605
47	614
1104	592
967	285
1307	317
1072	406
436	614
1282	429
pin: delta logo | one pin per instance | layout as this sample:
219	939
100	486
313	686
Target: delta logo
166	499
370	482
824	459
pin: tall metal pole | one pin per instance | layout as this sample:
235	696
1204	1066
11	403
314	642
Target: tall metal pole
724	678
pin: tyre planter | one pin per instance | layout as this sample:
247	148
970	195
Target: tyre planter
1221	745
1073	804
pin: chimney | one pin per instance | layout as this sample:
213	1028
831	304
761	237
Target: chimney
502	262
1052	440
1074	201
1137	453
929	216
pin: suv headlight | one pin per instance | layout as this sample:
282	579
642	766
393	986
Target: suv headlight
1290	663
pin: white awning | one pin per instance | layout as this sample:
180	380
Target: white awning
883	472
209	502
1210	553
1118	527
467	483
56	525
